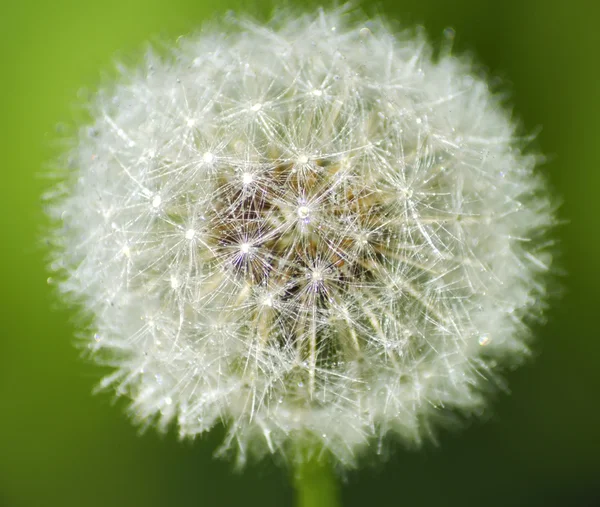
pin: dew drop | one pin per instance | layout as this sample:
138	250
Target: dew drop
449	33
303	212
407	192
364	32
484	340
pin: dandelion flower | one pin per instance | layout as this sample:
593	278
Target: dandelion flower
308	229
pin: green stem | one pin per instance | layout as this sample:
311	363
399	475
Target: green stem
316	484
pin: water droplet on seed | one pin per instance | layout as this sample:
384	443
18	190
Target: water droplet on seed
303	212
484	340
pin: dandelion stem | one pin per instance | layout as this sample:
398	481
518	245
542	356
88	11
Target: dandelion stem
315	483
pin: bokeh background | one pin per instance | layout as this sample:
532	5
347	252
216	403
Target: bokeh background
59	445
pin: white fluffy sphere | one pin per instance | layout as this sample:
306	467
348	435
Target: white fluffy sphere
310	229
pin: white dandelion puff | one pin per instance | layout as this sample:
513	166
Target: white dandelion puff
312	227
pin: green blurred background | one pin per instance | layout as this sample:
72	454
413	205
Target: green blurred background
59	445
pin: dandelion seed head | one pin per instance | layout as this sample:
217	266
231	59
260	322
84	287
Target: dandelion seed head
336	235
